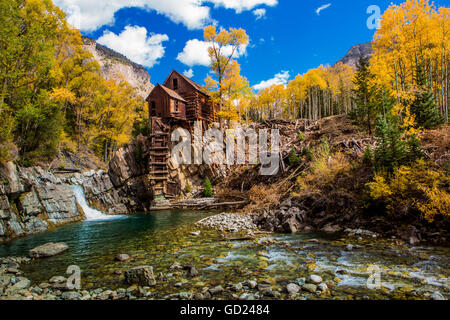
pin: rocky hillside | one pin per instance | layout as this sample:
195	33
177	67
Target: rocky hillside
114	64
353	55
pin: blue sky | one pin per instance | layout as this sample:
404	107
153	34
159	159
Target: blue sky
287	37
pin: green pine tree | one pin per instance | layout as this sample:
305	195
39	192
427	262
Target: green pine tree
415	151
294	158
208	191
424	106
391	151
367	158
366	109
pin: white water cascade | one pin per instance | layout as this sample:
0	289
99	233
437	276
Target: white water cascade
90	213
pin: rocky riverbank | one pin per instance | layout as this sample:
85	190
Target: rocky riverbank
216	259
306	215
141	283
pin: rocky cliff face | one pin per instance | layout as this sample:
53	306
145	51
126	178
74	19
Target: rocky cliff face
129	170
33	200
355	53
114	65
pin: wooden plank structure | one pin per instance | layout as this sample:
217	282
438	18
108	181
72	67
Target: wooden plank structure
179	102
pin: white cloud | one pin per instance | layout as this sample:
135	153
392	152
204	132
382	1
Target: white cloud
279	78
90	15
242	5
321	8
195	53
259	13
136	44
189	73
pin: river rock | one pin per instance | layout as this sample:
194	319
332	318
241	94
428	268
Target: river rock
263	287
122	257
48	250
191	271
437	296
142	275
176	266
310	287
315	279
71	295
322	287
292	288
237	287
300	281
244	296
216	290
331	229
5	280
232	222
21	285
199	296
58	279
251	284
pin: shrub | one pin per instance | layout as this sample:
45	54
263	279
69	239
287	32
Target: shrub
263	196
142	126
418	187
294	159
208	191
188	188
301	137
308	154
367	158
322	173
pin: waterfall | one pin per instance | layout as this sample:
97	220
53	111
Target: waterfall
90	213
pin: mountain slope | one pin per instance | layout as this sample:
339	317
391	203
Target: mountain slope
114	64
353	55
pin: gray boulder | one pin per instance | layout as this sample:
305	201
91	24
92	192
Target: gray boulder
21	285
437	296
48	250
122	257
292	288
142	275
310	287
71	295
315	279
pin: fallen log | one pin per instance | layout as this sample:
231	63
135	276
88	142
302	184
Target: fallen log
61	171
199	206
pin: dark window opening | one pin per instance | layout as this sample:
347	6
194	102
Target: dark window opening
175	84
153	111
176	106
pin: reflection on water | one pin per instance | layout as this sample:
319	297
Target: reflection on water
160	239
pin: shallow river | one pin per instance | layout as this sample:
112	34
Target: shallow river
160	239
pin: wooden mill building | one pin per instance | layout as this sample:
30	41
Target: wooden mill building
178	102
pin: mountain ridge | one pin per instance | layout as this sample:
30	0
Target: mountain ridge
355	53
114	64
